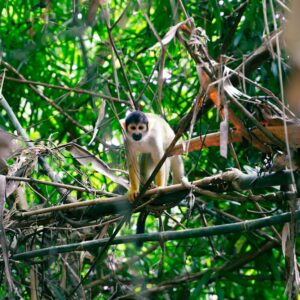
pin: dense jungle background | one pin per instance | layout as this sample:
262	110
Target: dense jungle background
218	72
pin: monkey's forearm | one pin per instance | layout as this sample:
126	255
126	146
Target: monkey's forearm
134	183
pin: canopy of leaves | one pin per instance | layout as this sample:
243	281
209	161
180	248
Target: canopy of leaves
60	62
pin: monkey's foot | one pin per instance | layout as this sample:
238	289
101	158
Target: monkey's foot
152	186
132	195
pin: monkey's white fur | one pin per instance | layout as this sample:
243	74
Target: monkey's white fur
152	146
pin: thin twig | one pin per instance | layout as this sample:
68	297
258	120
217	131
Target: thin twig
3	236
132	101
60	185
121	16
64	88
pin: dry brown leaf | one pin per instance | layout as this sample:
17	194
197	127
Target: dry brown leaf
92	12
21	197
2	235
3	166
224	138
161	74
8	144
170	34
292	32
230	89
285	236
100	118
24	165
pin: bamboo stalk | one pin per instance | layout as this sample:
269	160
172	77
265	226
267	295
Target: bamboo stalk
240	227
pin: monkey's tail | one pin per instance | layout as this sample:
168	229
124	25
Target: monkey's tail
140	226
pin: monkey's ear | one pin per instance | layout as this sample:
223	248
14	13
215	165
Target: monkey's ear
122	123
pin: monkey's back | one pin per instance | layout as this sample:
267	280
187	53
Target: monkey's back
163	129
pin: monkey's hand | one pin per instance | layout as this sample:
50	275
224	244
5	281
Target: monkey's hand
132	194
186	183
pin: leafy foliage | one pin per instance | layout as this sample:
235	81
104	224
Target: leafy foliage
67	44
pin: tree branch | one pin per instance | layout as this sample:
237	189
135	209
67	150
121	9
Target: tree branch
213	139
64	88
241	227
225	182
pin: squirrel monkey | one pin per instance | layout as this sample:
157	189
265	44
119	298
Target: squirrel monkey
149	135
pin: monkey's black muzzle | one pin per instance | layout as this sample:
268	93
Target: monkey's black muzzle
136	136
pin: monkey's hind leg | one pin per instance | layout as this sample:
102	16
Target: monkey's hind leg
147	167
161	179
177	169
167	166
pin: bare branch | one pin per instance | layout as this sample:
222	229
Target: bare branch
241	227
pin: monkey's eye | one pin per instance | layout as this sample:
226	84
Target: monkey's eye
142	127
132	127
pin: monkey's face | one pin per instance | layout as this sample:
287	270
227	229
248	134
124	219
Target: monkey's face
137	131
136	125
